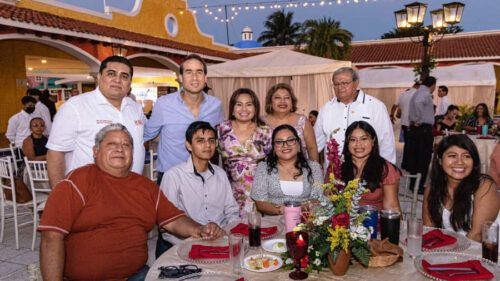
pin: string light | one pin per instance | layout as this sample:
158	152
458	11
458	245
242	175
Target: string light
264	5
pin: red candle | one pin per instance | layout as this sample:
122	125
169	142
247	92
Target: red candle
300	241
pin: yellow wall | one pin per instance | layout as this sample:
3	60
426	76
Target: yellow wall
150	20
13	69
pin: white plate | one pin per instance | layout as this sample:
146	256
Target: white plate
269	269
453	257
268	245
462	242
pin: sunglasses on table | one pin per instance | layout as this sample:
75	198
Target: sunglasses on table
167	272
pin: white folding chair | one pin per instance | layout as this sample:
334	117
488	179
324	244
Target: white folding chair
17	157
7	183
153	172
414	197
40	189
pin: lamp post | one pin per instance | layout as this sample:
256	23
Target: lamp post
412	16
119	50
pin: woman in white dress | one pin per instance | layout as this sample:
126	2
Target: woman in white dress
459	197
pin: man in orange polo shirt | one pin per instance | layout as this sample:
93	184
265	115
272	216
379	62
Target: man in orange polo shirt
96	221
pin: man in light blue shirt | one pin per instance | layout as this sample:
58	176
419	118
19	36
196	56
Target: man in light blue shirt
173	113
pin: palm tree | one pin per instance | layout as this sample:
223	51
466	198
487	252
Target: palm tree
280	30
325	38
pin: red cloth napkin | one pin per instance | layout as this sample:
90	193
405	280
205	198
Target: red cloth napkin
240	279
209	252
429	239
486	137
482	273
242	228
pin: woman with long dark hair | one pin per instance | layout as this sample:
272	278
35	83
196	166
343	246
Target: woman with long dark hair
362	160
480	117
244	140
459	198
286	175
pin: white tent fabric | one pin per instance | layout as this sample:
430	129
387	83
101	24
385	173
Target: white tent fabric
467	84
309	76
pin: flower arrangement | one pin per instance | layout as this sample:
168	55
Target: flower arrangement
336	224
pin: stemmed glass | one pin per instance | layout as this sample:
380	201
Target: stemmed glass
297	243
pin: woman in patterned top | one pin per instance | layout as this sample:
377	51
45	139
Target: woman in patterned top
281	107
244	140
480	117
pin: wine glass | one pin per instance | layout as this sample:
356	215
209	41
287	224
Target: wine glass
297	243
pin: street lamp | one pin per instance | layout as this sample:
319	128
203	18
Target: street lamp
119	50
412	16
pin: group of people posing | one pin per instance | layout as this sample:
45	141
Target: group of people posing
100	211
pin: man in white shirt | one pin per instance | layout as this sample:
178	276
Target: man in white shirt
18	128
349	105
80	118
443	102
41	109
198	188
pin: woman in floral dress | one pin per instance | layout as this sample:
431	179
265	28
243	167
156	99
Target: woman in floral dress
244	140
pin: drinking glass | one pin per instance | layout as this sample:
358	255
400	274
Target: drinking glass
236	252
415	229
254	239
389	224
489	237
297	243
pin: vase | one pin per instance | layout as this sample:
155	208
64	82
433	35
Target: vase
341	264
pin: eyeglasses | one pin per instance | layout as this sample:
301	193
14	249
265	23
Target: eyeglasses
342	84
177	271
289	142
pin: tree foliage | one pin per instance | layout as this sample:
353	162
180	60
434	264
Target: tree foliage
416	31
325	38
280	30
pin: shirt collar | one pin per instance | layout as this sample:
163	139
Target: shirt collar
101	99
190	168
360	97
179	97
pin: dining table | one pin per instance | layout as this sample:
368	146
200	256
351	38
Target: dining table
485	146
403	270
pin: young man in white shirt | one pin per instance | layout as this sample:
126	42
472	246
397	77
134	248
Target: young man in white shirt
18	128
198	188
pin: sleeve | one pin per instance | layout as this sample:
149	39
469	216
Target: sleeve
267	139
220	117
45	113
231	208
12	128
318	130
259	191
494	171
166	212
385	134
63	207
392	176
67	122
169	187
155	123
316	189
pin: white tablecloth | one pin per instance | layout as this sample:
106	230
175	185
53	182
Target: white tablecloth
400	271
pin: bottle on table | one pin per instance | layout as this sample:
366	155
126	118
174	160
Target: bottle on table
254	219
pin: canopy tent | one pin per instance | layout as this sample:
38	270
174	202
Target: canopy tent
467	83
309	76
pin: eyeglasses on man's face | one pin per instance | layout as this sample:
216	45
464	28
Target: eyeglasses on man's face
341	84
177	271
288	142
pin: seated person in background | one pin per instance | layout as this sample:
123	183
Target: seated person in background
494	171
459	198
362	160
197	187
480	117
96	222
449	120
34	145
286	175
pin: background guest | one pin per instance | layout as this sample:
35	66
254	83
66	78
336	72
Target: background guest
313	116
243	141
443	103
34	145
449	119
281	107
459	198
286	174
45	99
362	160
480	117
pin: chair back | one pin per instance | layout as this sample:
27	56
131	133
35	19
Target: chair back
414	197
37	173
17	157
153	172
7	177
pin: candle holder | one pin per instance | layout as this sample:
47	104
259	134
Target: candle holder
297	243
